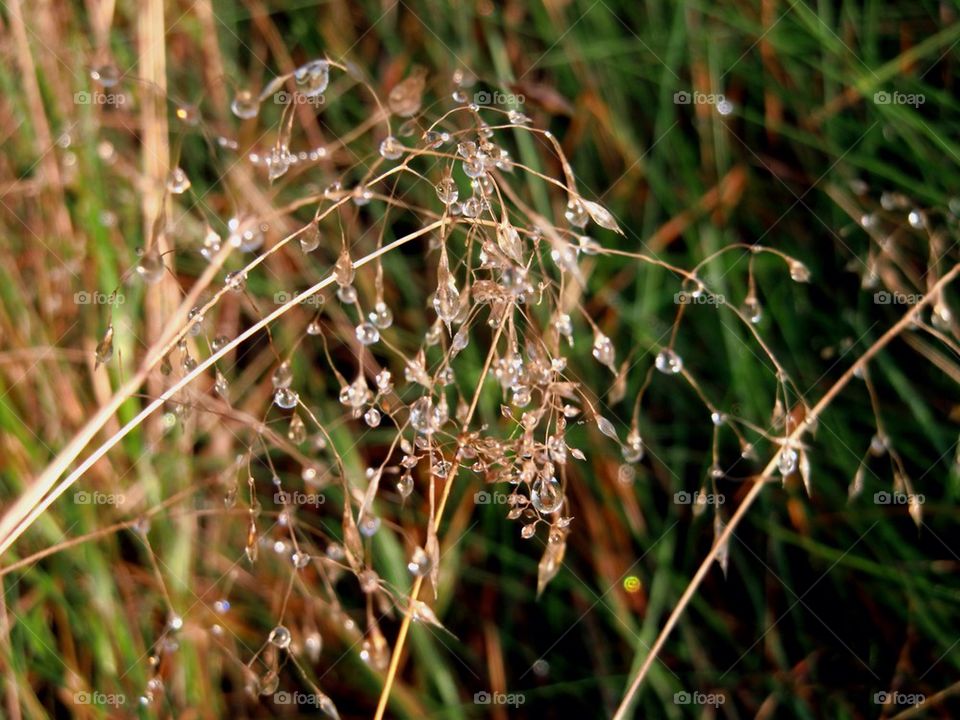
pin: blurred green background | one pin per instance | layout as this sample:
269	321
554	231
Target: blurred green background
825	602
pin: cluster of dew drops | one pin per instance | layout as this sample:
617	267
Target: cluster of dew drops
514	263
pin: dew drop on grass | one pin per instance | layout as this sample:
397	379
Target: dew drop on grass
212	242
372	417
447	191
343	271
367	333
799	272
405	485
300	559
381	316
150	267
787	461
391	148
310	238
369	525
527	531
280	637
546	495
576	214
297	432
419	564
245	105
312	78
282	375
313	644
106	75
285	398
752	310
633	450
603	350
446	301
269	682
236	281
668	362
178	182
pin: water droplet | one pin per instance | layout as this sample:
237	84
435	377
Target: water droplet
372	417
669	362
297	432
382	316
107	75
391	148
280	637
343	271
419	564
633	450
178	182
752	309
150	267
310	238
300	559
211	244
576	214
787	460
313	644
603	350
367	333
236	281
312	78
405	485
473	167
368	525
799	272
547	495
426	418
528	530
917	219
447	191
245	105
285	398
221	385
282	376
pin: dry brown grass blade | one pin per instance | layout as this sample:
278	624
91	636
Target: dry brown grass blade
809	421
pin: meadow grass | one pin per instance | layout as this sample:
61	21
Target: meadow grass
689	450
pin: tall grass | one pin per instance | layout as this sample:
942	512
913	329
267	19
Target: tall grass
381	361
